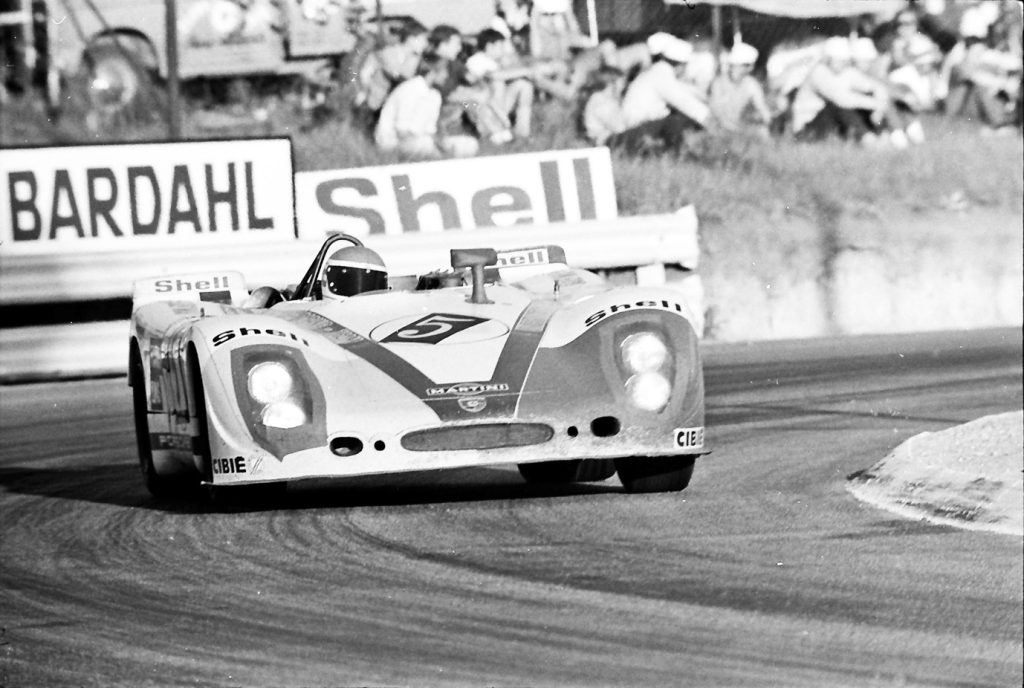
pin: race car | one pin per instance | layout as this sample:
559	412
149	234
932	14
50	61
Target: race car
508	357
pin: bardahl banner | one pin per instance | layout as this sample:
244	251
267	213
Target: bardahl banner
499	191
143	195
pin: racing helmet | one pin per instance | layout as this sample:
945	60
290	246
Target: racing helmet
353	270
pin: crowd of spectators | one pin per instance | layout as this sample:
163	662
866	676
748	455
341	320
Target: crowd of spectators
432	93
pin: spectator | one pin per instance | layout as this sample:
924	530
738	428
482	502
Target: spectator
463	104
834	100
386	68
630	59
737	99
554	31
409	119
659	102
602	116
512	20
910	64
981	80
702	68
907	42
509	90
867	75
445	42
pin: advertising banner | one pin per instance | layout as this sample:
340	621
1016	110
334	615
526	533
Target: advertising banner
140	196
499	191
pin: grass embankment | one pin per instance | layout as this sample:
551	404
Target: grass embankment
731	182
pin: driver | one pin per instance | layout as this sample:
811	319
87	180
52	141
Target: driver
353	270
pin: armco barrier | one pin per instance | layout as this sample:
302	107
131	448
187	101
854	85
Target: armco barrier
646	242
624	242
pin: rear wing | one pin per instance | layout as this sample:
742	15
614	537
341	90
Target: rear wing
211	287
517	264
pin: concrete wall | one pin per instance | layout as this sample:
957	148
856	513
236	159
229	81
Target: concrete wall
866	275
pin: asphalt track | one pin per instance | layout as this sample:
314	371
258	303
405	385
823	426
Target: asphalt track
764	571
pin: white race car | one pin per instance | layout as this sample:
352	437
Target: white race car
508	357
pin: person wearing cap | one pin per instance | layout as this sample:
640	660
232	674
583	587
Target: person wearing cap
829	100
737	99
659	102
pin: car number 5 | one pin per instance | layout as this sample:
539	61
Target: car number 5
437	327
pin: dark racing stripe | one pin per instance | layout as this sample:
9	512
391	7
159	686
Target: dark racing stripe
509	374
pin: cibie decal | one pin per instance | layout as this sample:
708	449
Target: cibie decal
432	329
473	404
229	465
689	438
465	389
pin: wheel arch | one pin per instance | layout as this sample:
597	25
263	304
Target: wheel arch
197	410
134	361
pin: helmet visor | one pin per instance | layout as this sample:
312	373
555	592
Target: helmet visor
349	281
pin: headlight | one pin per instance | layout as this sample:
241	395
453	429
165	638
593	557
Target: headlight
644	352
279	397
270	382
649	391
284	414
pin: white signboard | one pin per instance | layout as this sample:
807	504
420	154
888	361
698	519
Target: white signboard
499	191
145	195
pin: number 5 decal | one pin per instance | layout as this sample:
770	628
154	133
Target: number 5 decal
433	328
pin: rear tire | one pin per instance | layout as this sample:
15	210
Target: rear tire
158	485
655	474
572	471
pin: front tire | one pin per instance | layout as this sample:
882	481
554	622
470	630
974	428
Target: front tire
158	485
572	471
655	474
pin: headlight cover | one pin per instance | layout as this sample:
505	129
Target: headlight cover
270	382
281	401
284	415
644	352
649	391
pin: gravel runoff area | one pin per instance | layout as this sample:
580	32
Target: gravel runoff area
969	476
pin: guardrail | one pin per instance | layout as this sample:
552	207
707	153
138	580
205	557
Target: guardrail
644	242
624	242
